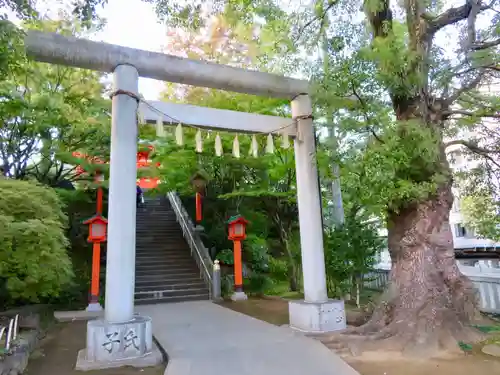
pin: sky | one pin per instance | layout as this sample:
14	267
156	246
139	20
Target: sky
130	23
133	23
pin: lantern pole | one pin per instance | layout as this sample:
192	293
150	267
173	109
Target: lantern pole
94	304
198	208
238	294
99	200
98	179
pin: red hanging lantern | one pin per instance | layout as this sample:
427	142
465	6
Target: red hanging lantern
97	228
237	228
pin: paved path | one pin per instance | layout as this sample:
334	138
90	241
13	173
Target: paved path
202	338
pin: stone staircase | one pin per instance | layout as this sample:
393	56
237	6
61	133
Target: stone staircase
165	270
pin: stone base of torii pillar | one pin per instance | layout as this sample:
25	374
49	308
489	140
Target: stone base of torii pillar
317	317
119	344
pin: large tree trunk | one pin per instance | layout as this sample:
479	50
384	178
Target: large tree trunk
428	305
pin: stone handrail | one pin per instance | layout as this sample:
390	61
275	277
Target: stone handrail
198	249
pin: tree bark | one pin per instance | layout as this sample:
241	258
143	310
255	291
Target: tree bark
429	305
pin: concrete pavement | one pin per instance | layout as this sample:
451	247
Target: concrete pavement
202	338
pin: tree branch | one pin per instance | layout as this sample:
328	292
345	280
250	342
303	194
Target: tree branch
320	17
365	114
466	87
470	113
471	21
449	17
471	146
485	45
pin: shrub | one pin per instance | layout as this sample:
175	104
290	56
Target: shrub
350	252
278	269
257	283
34	264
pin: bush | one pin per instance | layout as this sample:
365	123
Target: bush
350	252
278	269
34	264
255	252
257	283
226	256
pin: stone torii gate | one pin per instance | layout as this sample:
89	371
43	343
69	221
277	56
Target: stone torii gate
122	336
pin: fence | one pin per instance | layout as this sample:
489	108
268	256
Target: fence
11	330
485	280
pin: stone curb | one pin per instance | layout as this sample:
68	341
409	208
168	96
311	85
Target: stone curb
16	362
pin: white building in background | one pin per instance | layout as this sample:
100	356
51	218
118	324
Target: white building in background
464	237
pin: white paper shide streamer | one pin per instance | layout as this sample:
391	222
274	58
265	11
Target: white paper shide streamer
236	147
270	144
199	141
285	140
160	130
254	147
218	145
140	117
179	136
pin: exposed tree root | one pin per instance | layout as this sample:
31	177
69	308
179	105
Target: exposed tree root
432	328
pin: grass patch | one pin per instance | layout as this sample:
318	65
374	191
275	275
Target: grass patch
282	289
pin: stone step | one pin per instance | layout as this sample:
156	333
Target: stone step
153	254
155	214
166	283
156	225
159	237
162	246
166	275
199	284
159	233
144	252
147	251
170	270
163	216
167	267
165	247
161	241
162	261
156	229
167	278
151	301
169	293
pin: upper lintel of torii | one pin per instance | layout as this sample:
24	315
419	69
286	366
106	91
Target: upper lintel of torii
82	53
215	119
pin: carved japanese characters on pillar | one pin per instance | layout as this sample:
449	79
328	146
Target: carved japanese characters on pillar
111	341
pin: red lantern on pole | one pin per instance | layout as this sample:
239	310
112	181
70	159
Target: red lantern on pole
97	234
237	233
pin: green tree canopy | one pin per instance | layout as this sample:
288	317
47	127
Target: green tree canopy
47	113
33	261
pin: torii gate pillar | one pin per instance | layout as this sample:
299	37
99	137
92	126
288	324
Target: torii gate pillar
122	338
